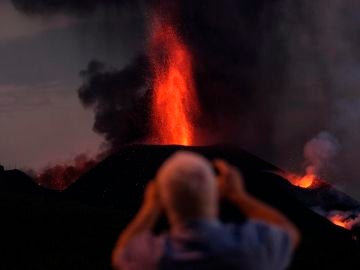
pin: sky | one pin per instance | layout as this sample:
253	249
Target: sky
273	77
41	118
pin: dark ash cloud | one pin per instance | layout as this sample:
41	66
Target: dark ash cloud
119	99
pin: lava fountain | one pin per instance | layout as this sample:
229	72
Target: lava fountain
174	104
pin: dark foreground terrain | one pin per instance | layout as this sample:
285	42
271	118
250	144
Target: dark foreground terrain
77	228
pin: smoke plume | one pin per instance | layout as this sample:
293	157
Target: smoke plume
319	152
119	99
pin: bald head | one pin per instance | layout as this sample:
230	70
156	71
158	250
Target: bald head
188	188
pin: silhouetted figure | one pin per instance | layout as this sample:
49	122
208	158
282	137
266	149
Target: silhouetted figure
188	191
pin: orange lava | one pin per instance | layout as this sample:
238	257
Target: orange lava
338	220
306	181
341	220
174	102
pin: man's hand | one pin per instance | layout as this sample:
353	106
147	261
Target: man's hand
231	183
144	220
231	186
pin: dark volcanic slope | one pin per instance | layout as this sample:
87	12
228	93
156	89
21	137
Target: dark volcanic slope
77	228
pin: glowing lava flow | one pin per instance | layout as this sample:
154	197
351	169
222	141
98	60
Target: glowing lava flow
174	101
338	220
311	181
306	181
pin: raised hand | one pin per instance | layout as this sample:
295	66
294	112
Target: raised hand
231	183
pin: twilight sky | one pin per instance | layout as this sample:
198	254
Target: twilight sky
41	118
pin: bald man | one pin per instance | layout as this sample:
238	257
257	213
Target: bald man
187	190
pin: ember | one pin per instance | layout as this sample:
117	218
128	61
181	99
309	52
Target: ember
174	102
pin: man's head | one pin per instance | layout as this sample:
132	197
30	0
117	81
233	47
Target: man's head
188	187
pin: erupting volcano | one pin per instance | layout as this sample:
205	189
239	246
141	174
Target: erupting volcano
174	101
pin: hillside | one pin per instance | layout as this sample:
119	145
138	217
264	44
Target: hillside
77	228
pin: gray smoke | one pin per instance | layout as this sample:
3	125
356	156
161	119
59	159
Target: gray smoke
319	152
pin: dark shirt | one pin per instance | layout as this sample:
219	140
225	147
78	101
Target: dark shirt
199	245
